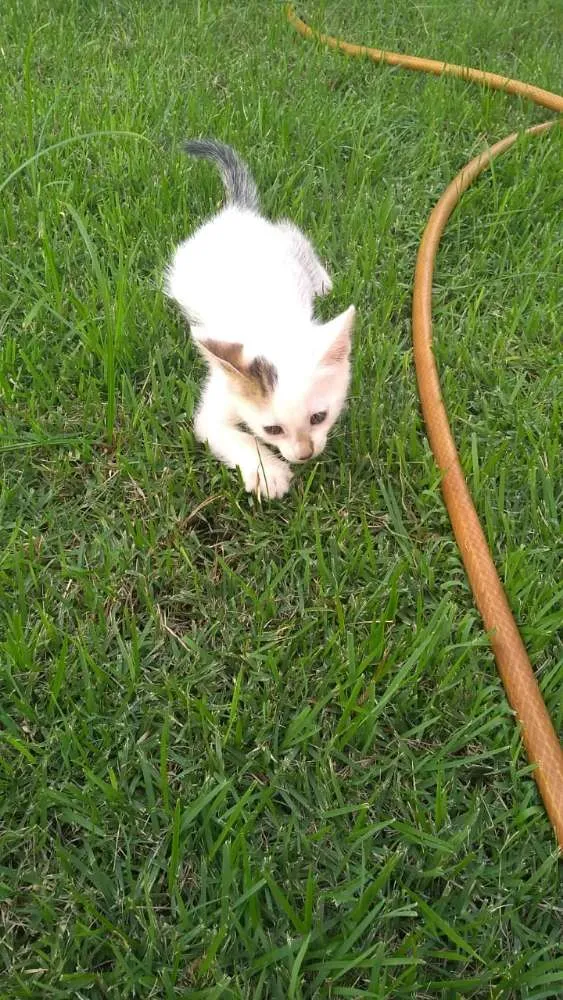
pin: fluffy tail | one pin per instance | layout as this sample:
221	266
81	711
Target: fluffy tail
239	184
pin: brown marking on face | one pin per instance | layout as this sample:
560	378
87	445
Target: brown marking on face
264	373
255	381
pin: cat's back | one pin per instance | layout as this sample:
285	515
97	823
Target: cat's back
237	262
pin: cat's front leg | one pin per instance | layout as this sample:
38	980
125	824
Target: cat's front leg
262	472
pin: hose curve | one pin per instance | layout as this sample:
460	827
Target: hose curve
522	689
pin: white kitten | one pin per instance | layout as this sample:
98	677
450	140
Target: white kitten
247	287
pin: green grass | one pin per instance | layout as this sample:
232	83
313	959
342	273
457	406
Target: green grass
263	752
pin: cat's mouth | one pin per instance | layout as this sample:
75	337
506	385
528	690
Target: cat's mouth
293	459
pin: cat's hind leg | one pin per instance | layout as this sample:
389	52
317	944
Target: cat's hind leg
305	253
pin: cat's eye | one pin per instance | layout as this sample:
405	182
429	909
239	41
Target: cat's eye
274	429
318	418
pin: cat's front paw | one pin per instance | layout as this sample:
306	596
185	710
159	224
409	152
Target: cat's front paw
271	478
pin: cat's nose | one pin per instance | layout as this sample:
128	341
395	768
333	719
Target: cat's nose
305	453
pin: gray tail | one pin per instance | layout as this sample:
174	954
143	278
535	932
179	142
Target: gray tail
239	184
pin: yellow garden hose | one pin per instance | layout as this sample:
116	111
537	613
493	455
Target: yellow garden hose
538	733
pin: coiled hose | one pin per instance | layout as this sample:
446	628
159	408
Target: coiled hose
540	739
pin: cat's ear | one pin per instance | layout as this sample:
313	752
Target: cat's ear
257	378
228	355
337	337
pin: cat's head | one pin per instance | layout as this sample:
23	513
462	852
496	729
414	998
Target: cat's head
293	401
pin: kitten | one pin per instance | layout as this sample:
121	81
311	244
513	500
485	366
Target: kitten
247	286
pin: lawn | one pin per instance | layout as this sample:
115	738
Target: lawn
262	751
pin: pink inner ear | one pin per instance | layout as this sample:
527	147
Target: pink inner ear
338	350
341	327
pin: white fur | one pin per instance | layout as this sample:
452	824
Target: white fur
241	279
